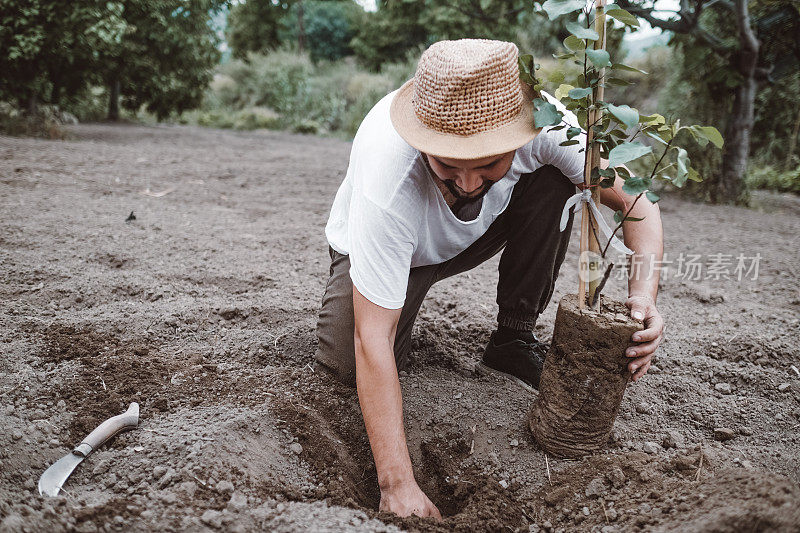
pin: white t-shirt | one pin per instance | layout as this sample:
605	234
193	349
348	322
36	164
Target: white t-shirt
389	215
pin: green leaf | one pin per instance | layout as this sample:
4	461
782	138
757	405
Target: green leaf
622	15
545	113
636	185
625	114
710	133
578	93
619	214
625	152
569	143
564	56
653	197
573	132
557	76
655	136
619	82
563	90
652	120
599	58
556	8
581	32
526	69
628	68
694	175
683	168
574	44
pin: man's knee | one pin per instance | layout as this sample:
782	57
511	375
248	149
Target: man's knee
550	183
339	368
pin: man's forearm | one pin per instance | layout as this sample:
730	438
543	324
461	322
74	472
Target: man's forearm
646	239
381	403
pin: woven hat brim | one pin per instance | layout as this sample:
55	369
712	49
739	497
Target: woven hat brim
510	136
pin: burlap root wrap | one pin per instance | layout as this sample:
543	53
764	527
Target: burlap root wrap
584	378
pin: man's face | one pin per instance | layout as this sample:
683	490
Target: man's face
470	179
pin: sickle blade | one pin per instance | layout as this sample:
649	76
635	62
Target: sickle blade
54	477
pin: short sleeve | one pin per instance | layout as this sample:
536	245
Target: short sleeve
381	246
570	160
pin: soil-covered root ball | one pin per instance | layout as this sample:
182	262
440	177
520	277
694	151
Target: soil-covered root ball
584	378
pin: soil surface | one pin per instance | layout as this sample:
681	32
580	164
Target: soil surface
183	268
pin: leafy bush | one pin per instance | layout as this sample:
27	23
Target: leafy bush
46	122
768	177
286	90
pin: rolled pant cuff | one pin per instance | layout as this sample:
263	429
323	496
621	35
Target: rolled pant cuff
520	322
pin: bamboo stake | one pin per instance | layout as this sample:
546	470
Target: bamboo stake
589	229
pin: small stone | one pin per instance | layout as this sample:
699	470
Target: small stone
645	507
612	514
747	464
159	471
595	488
723	434
547	525
514	442
296	447
225	486
17	434
745	430
654	369
503	483
458	396
608	529
644	408
585	511
237	502
673	439
783	387
724	388
616	476
168	497
651	447
111	480
212	518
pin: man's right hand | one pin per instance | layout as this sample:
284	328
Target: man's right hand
407	499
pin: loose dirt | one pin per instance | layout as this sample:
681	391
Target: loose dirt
203	309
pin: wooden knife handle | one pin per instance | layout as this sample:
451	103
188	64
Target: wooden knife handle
114	425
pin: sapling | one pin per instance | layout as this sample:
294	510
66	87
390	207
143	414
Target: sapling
585	371
613	132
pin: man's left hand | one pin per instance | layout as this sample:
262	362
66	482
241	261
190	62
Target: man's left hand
644	308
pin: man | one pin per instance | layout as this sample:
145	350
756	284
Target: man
444	173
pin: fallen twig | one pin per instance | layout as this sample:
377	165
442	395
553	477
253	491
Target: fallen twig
547	464
699	466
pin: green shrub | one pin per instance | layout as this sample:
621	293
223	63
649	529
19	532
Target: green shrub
46	122
768	177
254	118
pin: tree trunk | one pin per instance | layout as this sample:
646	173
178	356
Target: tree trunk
792	143
113	101
301	31
33	105
728	185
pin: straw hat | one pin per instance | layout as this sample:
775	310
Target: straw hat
466	101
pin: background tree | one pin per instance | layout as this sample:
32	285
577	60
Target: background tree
255	26
720	36
165	58
399	26
49	49
328	27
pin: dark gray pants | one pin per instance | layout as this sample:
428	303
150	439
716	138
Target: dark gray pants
534	250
